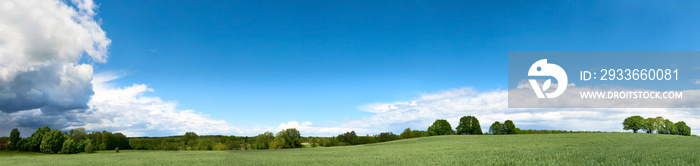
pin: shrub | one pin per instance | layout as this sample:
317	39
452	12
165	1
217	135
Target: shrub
116	149
88	147
220	146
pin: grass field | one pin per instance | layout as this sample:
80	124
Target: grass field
542	149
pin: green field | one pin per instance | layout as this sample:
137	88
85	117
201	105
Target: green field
534	149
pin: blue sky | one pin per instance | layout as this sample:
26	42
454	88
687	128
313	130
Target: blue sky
256	64
265	62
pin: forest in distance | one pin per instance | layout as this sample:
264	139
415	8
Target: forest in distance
47	140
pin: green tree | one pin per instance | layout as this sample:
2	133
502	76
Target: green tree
89	148
469	125
289	138
78	134
262	141
660	125
14	139
69	147
496	128
509	127
190	138
407	133
649	125
633	123
37	138
82	144
25	144
682	128
52	141
441	127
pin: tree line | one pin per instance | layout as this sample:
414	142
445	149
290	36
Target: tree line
46	140
658	124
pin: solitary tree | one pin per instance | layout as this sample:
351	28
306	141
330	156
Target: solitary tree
469	125
633	123
441	127
14	139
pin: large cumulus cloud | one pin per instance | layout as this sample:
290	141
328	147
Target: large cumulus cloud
41	44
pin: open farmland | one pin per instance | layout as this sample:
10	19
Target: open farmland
535	149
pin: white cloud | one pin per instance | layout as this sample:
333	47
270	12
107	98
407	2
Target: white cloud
307	129
130	111
696	81
41	43
490	106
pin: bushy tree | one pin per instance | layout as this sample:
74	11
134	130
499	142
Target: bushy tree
82	144
649	125
441	127
288	138
348	138
89	148
190	137
387	136
509	127
496	128
78	134
633	123
52	141
419	133
14	139
37	138
407	133
69	147
263	141
682	128
469	125
25	144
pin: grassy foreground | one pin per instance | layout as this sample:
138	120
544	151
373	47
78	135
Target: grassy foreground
543	149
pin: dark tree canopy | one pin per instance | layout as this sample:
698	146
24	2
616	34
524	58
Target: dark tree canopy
441	127
14	139
496	128
509	127
37	137
469	125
